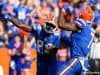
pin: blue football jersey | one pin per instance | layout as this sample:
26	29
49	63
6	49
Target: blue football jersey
53	39
21	13
14	32
43	38
81	41
5	9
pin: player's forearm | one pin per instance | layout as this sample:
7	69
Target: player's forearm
20	25
68	26
64	25
15	22
26	28
61	21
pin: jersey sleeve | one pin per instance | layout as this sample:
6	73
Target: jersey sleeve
80	23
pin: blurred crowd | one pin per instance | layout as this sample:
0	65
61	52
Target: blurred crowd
32	12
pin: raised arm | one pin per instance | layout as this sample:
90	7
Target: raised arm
71	26
20	25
